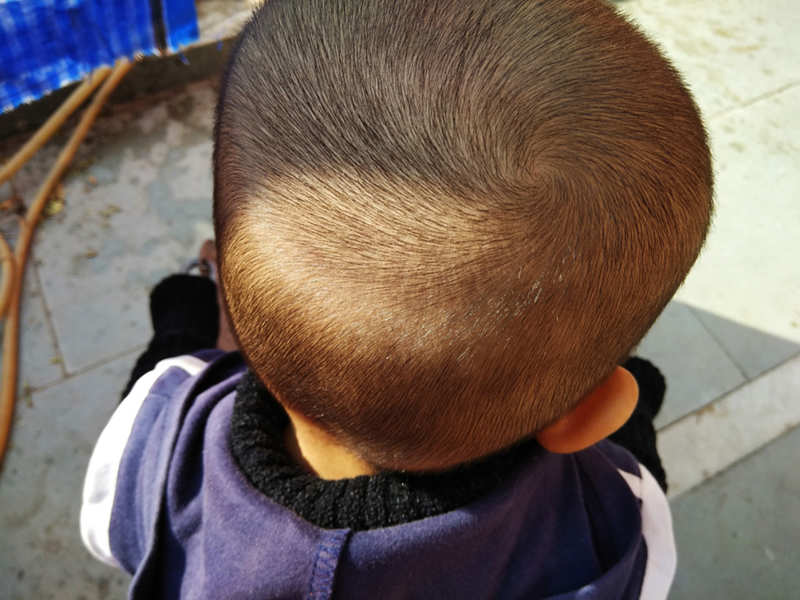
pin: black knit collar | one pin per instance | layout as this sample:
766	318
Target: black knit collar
365	502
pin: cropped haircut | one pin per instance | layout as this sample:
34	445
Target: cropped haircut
442	222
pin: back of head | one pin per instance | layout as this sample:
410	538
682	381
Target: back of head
442	222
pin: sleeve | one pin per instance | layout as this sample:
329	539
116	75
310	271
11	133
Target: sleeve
638	435
657	531
185	317
100	485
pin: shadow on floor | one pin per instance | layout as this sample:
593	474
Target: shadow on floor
738	534
704	356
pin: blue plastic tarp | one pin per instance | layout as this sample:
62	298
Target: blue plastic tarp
180	22
46	44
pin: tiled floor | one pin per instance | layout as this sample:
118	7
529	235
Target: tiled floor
710	439
41	555
743	65
696	367
138	204
750	546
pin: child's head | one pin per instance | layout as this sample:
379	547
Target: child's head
441	223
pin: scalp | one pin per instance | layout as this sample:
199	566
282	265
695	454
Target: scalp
441	223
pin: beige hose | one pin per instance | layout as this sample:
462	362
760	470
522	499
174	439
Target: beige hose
9	268
28	225
56	120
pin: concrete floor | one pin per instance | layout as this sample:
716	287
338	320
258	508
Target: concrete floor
137	205
738	533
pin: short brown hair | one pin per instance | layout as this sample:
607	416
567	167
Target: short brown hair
442	222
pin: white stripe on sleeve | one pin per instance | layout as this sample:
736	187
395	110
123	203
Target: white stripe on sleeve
101	475
658	535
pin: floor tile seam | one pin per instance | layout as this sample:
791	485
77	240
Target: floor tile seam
765	373
49	318
763	435
733	390
86	369
752	101
733	463
722	346
67	373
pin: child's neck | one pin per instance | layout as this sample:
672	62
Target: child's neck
320	452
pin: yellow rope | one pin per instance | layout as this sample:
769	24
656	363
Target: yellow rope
9	268
28	225
56	120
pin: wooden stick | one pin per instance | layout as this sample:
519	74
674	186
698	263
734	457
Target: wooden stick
11	331
54	123
9	268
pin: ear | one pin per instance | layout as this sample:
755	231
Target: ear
599	414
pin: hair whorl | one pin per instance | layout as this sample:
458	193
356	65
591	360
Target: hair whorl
442	223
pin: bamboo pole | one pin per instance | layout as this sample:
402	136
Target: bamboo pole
54	123
28	225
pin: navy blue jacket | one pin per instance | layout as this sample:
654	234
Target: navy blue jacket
165	500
